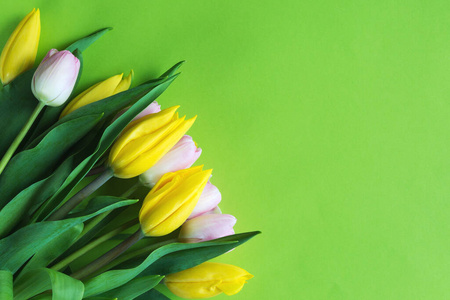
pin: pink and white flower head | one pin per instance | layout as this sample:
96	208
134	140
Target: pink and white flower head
208	201
153	108
207	227
183	155
55	77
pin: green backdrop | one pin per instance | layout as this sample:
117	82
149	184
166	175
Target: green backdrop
326	123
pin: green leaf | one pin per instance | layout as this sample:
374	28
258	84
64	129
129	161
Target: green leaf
18	247
85	42
35	194
6	285
134	288
37	281
153	294
115	278
17	102
30	166
195	254
52	249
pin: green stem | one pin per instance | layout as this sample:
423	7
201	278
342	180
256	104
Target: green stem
93	244
108	256
131	190
23	132
70	204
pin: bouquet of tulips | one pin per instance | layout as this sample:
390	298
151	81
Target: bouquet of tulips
61	236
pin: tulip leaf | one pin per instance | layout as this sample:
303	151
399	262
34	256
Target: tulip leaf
134	288
33	195
141	96
6	285
40	280
115	278
153	294
52	249
18	247
84	43
17	103
30	166
191	255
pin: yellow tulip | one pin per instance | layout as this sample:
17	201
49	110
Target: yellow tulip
207	280
99	91
170	202
145	141
20	50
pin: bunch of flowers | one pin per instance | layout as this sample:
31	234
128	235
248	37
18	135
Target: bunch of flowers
61	241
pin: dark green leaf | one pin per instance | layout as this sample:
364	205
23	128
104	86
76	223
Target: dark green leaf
153	295
18	247
37	281
6	285
32	165
134	288
35	194
85	42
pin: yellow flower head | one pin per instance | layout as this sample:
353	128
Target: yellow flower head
172	200
145	141
20	50
207	280
99	91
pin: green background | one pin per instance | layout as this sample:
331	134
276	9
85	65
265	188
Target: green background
326	124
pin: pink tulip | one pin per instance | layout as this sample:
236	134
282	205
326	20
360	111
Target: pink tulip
153	108
55	77
207	227
181	156
208	201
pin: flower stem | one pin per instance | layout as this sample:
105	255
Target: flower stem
93	244
15	144
70	204
108	256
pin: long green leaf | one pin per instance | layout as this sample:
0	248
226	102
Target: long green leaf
37	281
52	249
153	294
35	194
85	42
6	285
34	164
18	247
134	288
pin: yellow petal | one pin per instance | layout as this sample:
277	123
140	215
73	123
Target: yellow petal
20	50
95	93
124	84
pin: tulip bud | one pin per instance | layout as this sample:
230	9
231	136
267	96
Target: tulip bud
145	141
207	280
207	227
99	91
153	108
181	156
171	200
55	77
20	50
208	200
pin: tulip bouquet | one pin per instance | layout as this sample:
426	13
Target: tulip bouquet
64	237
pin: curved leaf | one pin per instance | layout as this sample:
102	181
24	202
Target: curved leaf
30	166
85	42
6	285
37	281
153	294
134	288
18	247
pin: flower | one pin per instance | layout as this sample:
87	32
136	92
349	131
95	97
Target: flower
99	91
145	141
207	280
208	200
171	200
207	227
20	50
55	77
181	156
